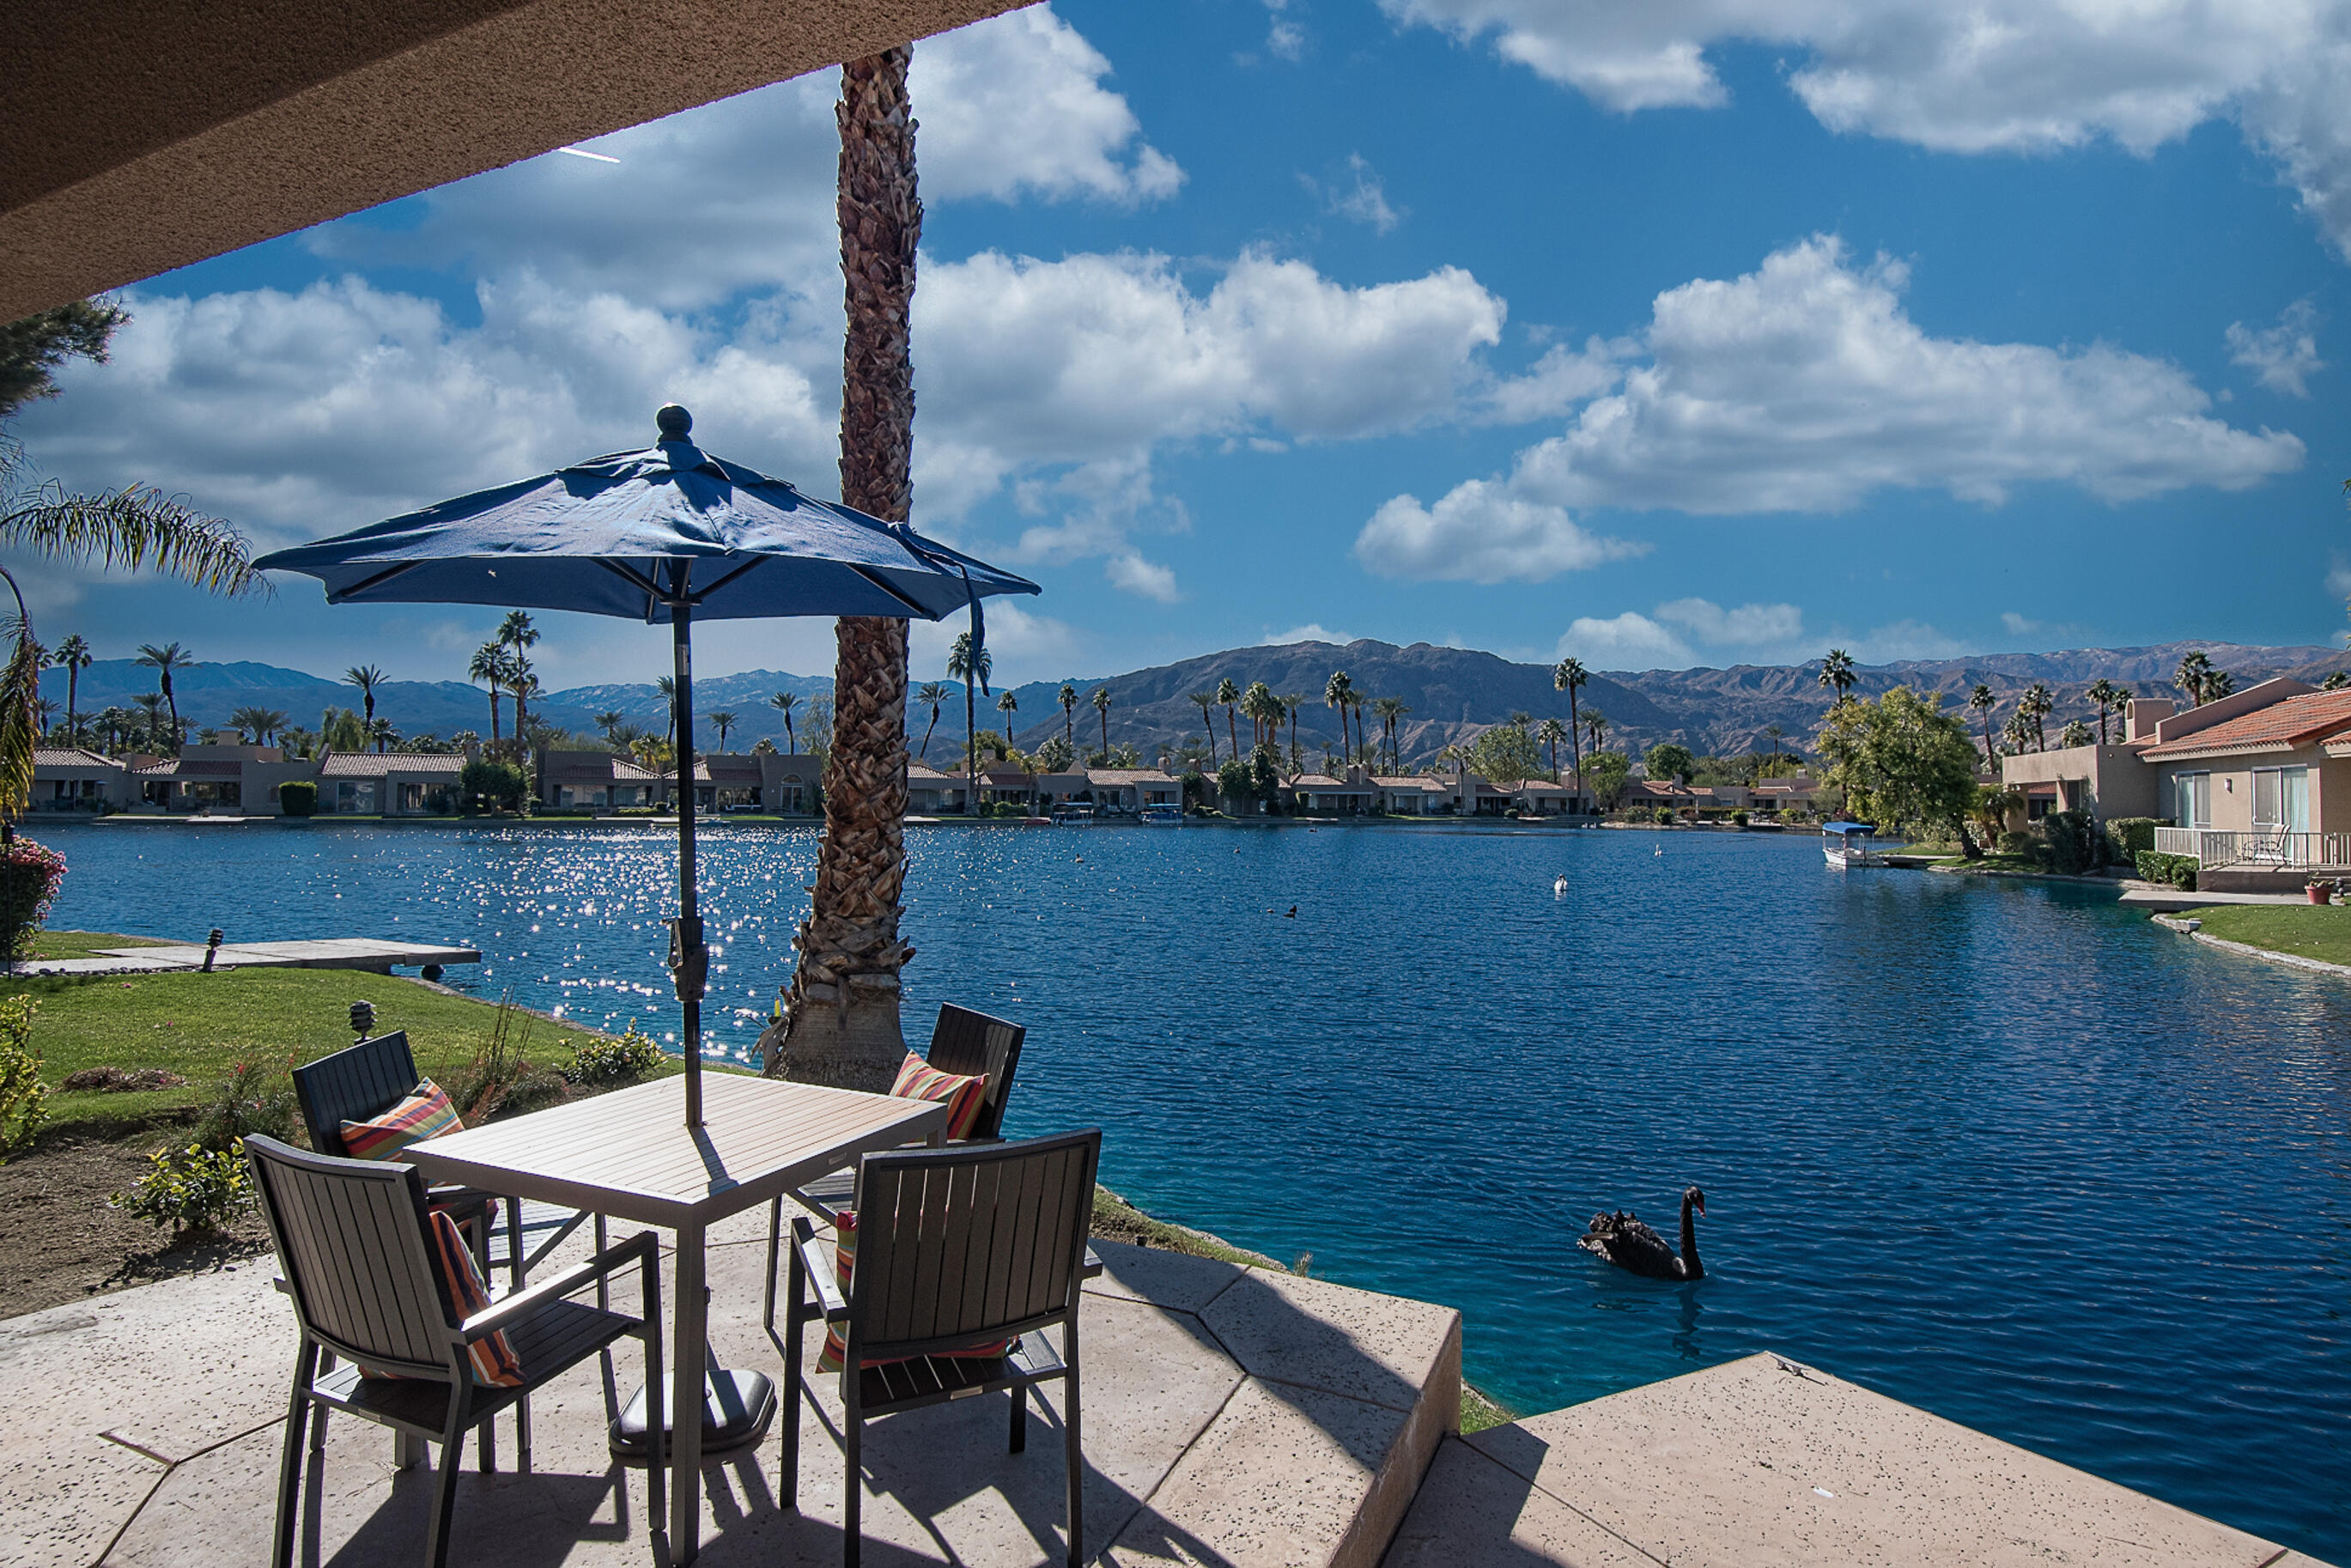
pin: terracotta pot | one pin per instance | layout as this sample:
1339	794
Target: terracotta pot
2319	892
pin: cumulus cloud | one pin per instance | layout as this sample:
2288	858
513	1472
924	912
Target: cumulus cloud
2284	356
1284	38
1022	644
1360	196
2010	76
1804	386
1479	532
1672	636
1628	641
1311	632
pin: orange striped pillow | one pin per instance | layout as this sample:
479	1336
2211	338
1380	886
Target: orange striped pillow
836	1348
425	1114
494	1363
918	1080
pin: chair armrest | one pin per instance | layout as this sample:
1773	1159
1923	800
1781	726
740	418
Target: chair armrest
526	1301
821	1272
1092	1265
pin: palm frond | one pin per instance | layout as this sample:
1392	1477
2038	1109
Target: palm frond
20	685
135	527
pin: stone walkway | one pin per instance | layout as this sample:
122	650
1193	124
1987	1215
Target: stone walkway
325	953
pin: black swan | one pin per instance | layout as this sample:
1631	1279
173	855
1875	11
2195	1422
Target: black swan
1625	1241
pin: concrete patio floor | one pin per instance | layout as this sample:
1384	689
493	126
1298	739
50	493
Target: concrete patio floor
1231	1416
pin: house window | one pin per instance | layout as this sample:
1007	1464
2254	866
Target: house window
2194	795
2282	799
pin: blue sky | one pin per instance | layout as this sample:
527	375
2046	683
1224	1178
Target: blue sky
1699	333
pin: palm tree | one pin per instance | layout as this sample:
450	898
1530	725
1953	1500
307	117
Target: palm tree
249	721
2335	682
1982	701
1206	702
1007	705
1390	710
1569	676
2219	685
1339	692
490	667
1230	696
664	687
1290	703
163	661
2017	732
1067	698
608	721
1102	709
960	667
516	633
784	702
73	656
150	703
1775	732
1551	733
44	712
2036	705
1836	673
2193	677
723	721
367	677
381	732
1597	723
2106	695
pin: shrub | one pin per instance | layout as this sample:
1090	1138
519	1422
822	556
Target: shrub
600	1063
196	1191
24	1099
2015	841
500	783
501	1080
298	798
1663	816
29	875
1739	818
2072	845
2126	836
251	1099
2179	871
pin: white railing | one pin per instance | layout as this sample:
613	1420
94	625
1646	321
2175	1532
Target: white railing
2264	849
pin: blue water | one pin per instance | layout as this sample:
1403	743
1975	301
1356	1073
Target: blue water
1999	1150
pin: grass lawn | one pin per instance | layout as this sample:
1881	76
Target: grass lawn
2319	931
197	1024
1989	862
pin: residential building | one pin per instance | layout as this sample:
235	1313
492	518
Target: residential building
1128	789
390	783
931	793
1323	794
71	780
1417	796
239	778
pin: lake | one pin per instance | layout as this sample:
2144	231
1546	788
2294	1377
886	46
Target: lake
1998	1149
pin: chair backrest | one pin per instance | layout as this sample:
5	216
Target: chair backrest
350	1236
967	1042
960	1247
353	1084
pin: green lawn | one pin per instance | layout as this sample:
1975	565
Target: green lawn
2305	930
1989	862
197	1024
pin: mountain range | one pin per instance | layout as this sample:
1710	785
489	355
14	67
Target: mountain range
1452	693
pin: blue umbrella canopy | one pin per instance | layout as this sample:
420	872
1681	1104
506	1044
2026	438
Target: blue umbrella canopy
667	535
636	534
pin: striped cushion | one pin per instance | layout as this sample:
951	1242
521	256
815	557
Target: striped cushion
836	1349
918	1080
494	1363
425	1114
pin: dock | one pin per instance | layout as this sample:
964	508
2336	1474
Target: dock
2171	900
373	954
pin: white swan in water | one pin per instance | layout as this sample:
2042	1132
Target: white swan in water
1559	887
1656	849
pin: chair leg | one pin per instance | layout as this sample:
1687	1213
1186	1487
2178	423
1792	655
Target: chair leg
787	1469
852	1431
289	1469
656	1467
445	1497
1076	1454
1020	1420
775	1242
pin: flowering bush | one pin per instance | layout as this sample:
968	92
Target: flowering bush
29	875
599	1061
24	1101
197	1192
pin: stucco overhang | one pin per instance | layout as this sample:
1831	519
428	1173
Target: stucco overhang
142	135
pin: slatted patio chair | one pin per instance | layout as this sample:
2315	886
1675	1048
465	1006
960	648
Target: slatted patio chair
370	1078
958	1252
368	1287
962	1041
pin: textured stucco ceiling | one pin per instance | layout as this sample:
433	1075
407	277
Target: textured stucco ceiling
141	135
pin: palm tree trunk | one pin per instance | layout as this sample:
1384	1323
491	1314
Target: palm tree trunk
970	748
840	1017
1105	727
1574	751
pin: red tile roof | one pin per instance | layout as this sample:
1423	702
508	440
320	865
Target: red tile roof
2282	725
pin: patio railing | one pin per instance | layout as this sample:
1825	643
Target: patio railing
2262	849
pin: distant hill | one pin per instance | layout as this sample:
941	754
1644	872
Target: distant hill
1453	693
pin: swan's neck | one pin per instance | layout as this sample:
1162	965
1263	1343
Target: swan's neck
1689	1241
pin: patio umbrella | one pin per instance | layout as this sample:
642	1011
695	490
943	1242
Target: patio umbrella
668	534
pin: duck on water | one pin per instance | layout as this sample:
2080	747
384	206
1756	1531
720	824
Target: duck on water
1628	1242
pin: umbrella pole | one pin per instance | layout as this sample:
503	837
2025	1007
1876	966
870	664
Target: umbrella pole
689	961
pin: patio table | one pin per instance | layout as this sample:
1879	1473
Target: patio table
629	1155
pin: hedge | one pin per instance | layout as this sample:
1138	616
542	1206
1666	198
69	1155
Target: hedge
2179	871
2131	835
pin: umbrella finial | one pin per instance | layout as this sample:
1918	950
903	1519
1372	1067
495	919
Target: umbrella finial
673	422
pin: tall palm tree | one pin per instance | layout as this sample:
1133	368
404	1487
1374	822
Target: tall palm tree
2219	685
841	1021
1067	698
45	713
2193	677
1391	709
381	732
2105	694
1597	723
961	667
1775	732
490	667
1338	692
1008	704
723	721
1569	676
1983	700
1102	709
784	702
1836	673
151	705
73	656
2036	705
1206	702
1550	734
249	721
516	633
609	720
1292	702
1228	696
2017	731
163	661
367	677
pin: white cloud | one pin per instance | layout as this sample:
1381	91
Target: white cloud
2017	626
2284	356
1022	644
1129	571
1670	638
1361	197
1312	632
1283	38
1627	641
1749	626
2012	76
1555	384
1479	533
2338	575
1804	386
1900	640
